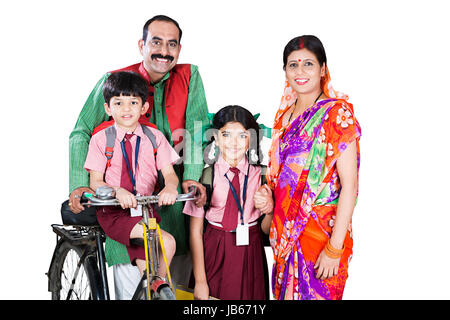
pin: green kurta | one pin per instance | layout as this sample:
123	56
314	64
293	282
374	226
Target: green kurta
93	114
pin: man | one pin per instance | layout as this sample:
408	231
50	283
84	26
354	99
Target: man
177	102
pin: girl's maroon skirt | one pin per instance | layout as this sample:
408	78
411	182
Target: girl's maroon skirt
235	272
117	224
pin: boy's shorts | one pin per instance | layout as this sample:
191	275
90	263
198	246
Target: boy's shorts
117	224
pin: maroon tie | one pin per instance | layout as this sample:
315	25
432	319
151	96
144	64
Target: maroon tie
125	179
230	215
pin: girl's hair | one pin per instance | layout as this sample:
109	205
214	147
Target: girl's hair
125	83
243	116
312	43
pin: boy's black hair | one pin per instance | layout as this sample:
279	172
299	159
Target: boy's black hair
239	114
125	83
160	18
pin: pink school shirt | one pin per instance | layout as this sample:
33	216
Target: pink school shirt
220	193
146	174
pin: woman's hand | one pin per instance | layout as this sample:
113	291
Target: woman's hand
263	199
168	195
326	267
126	198
201	291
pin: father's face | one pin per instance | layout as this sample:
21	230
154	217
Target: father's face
161	49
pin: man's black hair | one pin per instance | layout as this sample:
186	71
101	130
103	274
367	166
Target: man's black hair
160	18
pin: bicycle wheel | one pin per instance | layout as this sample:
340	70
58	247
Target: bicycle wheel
74	274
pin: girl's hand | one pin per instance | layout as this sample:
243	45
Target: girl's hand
326	267
201	291
167	196
263	199
126	198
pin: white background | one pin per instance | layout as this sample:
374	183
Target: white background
390	57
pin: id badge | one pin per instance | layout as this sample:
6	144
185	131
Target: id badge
136	212
242	235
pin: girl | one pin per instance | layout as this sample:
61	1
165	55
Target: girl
228	258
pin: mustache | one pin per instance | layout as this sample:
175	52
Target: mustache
160	56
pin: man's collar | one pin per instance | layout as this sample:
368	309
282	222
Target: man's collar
146	76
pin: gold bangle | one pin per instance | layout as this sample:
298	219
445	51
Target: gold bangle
332	252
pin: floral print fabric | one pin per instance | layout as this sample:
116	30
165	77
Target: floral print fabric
306	186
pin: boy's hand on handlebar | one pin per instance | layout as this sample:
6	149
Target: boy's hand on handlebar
75	197
126	198
167	196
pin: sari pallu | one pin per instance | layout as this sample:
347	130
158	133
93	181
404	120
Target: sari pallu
306	186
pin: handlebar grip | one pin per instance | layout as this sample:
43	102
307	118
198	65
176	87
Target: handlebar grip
85	197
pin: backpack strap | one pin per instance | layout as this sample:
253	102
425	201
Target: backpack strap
263	174
152	139
111	134
206	180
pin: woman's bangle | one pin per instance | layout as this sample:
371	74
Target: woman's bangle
332	252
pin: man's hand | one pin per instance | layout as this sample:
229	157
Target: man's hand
75	197
200	202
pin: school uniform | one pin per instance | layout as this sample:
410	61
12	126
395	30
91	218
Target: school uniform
233	272
116	222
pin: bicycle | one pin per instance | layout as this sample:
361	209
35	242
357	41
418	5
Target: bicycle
78	268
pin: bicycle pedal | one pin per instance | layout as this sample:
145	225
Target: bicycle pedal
152	223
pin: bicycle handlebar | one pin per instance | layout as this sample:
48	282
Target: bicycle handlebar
105	197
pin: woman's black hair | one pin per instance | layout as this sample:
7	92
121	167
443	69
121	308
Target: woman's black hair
312	43
125	83
239	114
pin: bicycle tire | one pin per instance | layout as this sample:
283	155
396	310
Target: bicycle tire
87	285
166	293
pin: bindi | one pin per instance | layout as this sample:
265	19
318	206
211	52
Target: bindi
299	60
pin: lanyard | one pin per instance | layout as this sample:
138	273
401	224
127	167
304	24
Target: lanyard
244	194
127	161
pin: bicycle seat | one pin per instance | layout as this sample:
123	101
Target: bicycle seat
86	218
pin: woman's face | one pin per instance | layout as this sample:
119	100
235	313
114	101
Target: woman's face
233	141
303	72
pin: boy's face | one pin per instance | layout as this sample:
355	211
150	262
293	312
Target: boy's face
126	111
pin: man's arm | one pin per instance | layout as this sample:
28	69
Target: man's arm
196	118
90	117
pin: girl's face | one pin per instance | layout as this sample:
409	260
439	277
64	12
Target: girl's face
233	141
303	71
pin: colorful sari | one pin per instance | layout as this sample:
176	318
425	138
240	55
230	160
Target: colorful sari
306	187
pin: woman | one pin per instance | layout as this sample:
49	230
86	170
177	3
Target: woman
313	170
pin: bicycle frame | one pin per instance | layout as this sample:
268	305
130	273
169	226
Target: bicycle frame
151	232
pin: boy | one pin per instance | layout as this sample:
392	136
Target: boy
133	167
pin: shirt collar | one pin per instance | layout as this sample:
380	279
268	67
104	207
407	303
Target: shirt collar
121	133
145	75
224	167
